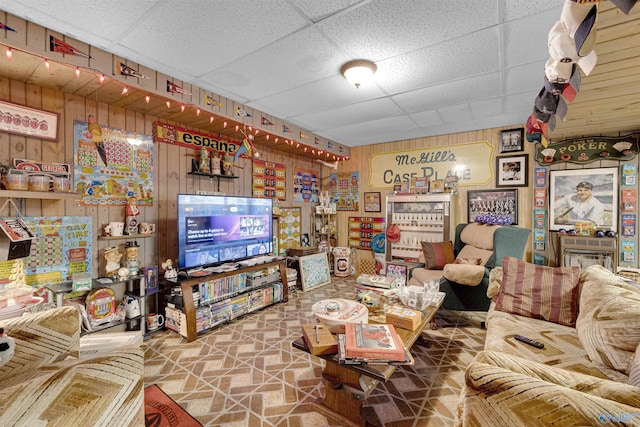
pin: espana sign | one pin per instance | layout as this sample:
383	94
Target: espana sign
470	162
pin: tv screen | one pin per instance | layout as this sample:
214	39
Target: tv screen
217	229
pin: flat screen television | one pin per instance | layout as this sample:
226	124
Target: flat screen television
217	229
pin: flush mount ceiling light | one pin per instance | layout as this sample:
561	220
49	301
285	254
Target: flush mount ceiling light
358	72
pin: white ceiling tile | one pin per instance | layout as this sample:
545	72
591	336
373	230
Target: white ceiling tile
464	57
515	9
486	108
524	78
518	48
318	10
376	131
427	118
456	92
456	113
355	113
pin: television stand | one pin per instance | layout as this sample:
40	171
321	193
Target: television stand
186	320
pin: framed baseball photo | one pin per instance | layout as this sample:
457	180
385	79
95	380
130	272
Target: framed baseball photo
511	140
512	171
493	203
583	196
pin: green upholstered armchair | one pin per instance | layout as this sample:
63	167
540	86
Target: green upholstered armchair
490	243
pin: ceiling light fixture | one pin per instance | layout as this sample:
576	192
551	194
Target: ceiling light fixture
358	72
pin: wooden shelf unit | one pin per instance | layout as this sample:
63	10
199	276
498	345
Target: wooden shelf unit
45	195
189	309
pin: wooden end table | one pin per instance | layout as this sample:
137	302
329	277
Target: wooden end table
347	387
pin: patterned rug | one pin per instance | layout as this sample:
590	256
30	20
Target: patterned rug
161	411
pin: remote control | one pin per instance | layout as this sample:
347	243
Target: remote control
529	341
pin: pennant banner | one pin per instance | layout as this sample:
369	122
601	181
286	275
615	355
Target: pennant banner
241	112
126	70
208	100
266	122
4	27
174	88
58	46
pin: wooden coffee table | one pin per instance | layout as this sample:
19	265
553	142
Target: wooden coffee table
348	386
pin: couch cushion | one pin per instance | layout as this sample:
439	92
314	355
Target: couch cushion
464	274
421	275
471	252
479	235
608	324
539	292
495	282
436	255
562	347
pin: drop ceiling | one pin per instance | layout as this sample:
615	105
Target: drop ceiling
443	66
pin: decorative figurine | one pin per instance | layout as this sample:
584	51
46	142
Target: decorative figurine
215	164
132	251
204	161
227	164
113	256
132	211
170	272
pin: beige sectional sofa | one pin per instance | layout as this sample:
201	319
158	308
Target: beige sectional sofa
46	383
588	372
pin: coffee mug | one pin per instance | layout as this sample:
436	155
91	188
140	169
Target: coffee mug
154	321
114	229
146	228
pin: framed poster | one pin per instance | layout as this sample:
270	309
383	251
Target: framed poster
290	229
512	171
372	202
29	122
314	270
511	140
583	195
493	204
362	230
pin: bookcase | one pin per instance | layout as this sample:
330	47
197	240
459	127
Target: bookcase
212	300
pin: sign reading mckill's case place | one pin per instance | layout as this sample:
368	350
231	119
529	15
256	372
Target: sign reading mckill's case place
471	163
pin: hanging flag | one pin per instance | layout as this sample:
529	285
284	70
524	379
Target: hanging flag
285	128
4	27
329	144
212	102
126	70
266	122
174	88
58	46
317	141
240	112
303	135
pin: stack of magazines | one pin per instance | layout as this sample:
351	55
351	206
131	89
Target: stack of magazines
372	344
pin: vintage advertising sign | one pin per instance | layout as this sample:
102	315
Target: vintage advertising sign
305	185
117	166
588	149
175	135
269	179
471	163
61	247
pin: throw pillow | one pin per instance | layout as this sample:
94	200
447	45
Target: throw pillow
472	261
539	292
464	274
608	324
436	255
471	252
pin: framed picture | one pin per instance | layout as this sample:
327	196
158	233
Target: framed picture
314	270
290	229
372	202
512	171
28	121
499	204
579	197
511	140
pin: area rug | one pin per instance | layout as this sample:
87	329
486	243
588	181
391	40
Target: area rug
162	411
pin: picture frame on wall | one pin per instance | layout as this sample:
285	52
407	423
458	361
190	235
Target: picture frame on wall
511	140
512	171
314	270
500	204
372	202
21	120
583	196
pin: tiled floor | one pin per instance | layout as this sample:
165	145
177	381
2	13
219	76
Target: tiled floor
246	373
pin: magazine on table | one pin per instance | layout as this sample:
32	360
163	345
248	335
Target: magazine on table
343	359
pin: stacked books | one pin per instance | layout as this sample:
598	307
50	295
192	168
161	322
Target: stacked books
373	344
382	285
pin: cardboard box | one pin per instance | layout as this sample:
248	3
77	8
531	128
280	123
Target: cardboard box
404	317
326	342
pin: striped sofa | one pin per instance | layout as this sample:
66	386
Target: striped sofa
45	382
588	372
